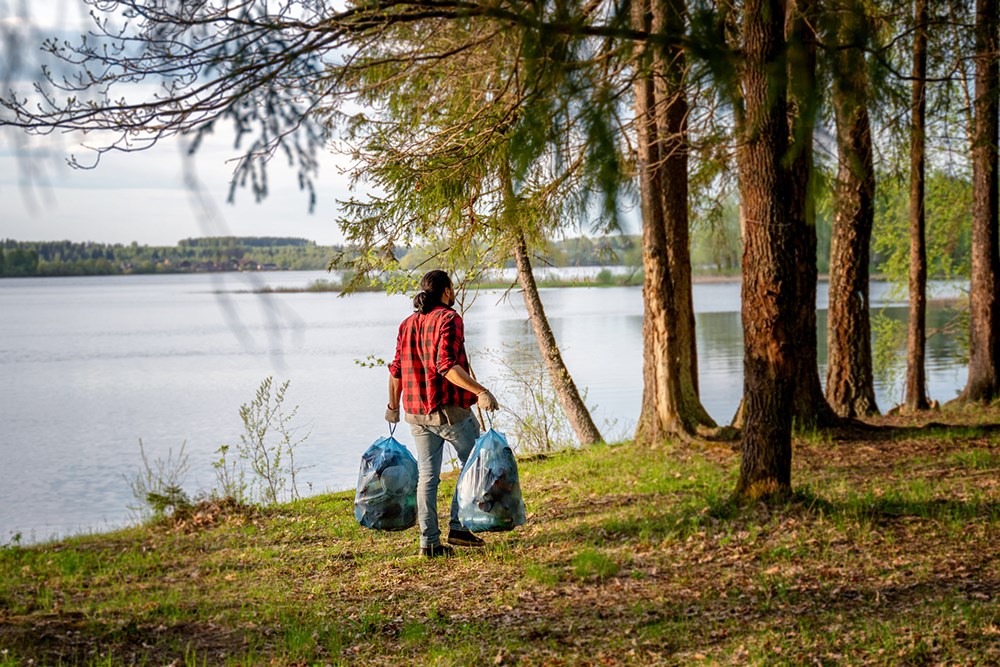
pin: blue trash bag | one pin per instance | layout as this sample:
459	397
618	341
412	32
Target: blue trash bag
387	487
489	493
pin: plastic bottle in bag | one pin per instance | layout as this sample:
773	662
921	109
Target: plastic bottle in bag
387	487
489	493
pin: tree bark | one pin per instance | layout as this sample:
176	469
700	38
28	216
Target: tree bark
562	382
984	307
769	280
809	406
850	386
916	338
670	403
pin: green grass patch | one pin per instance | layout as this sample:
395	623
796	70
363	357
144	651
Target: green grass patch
977	459
593	563
541	574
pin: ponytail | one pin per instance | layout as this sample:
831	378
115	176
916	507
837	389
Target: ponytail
432	287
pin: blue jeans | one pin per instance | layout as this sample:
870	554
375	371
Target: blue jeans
429	442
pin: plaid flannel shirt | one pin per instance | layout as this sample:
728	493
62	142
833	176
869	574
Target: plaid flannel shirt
427	347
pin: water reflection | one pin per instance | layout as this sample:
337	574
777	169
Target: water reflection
720	363
600	335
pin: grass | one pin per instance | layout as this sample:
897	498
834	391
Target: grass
887	554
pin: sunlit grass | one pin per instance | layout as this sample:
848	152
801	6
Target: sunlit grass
977	459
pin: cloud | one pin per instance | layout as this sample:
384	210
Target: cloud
15	23
43	14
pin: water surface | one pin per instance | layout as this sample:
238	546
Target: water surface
93	365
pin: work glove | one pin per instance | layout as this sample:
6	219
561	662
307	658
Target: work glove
488	401
392	416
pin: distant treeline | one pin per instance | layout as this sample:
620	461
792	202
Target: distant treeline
224	253
234	253
245	241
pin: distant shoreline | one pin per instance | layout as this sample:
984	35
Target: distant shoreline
322	285
634	280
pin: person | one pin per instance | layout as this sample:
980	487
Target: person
429	377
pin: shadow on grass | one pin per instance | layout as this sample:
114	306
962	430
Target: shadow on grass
682	609
891	506
861	431
72	638
800	616
611	520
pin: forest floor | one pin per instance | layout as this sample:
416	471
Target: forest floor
887	554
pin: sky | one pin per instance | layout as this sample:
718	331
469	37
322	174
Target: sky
141	196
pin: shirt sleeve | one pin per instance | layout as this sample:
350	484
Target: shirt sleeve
449	343
395	370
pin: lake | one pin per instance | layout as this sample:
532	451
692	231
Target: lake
93	365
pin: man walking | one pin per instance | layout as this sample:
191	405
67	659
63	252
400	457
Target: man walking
429	376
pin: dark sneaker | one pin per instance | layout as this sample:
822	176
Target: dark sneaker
437	551
464	538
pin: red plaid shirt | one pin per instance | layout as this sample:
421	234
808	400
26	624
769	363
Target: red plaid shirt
428	346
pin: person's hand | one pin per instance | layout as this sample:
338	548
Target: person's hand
391	415
488	401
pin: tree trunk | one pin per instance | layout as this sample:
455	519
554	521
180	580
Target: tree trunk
984	307
850	387
809	406
572	404
670	403
769	280
916	339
